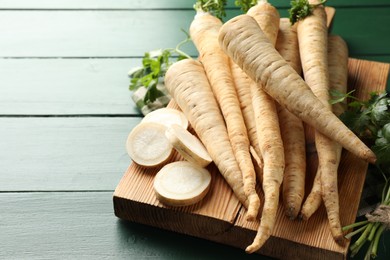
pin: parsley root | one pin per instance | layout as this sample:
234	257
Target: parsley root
243	40
268	133
204	33
187	82
292	129
338	71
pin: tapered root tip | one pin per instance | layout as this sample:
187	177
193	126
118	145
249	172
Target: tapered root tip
257	243
251	249
372	158
302	217
291	212
253	207
367	154
340	240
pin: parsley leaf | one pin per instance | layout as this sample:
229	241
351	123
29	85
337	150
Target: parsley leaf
215	7
380	111
151	74
245	4
382	146
301	9
370	121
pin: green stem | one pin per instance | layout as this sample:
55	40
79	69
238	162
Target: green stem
357	224
355	248
373	231
376	241
363	237
367	256
387	197
178	46
350	235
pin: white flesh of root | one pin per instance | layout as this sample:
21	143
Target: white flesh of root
147	145
188	145
167	117
181	184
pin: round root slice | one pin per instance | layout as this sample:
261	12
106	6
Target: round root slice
181	184
147	145
167	117
188	145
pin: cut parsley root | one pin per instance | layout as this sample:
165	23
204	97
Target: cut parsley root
167	117
181	184
147	145
188	145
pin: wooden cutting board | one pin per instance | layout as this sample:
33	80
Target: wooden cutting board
219	216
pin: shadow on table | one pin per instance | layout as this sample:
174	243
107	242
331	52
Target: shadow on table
142	241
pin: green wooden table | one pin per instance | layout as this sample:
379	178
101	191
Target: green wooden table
65	113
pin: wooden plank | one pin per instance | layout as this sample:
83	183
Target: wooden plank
91	33
209	218
63	153
66	86
152	4
119	33
359	34
82	225
290	239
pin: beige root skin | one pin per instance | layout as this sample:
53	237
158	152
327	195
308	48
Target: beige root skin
204	33
188	85
313	45
313	200
242	83
292	129
267	17
268	133
271	146
338	72
243	40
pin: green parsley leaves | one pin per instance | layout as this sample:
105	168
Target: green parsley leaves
149	78
215	7
301	9
245	4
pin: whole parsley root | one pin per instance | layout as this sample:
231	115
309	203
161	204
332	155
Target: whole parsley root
187	82
204	33
338	77
292	129
312	34
243	40
268	132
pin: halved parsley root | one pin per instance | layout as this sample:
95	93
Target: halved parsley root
181	184
167	117
188	145
147	145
